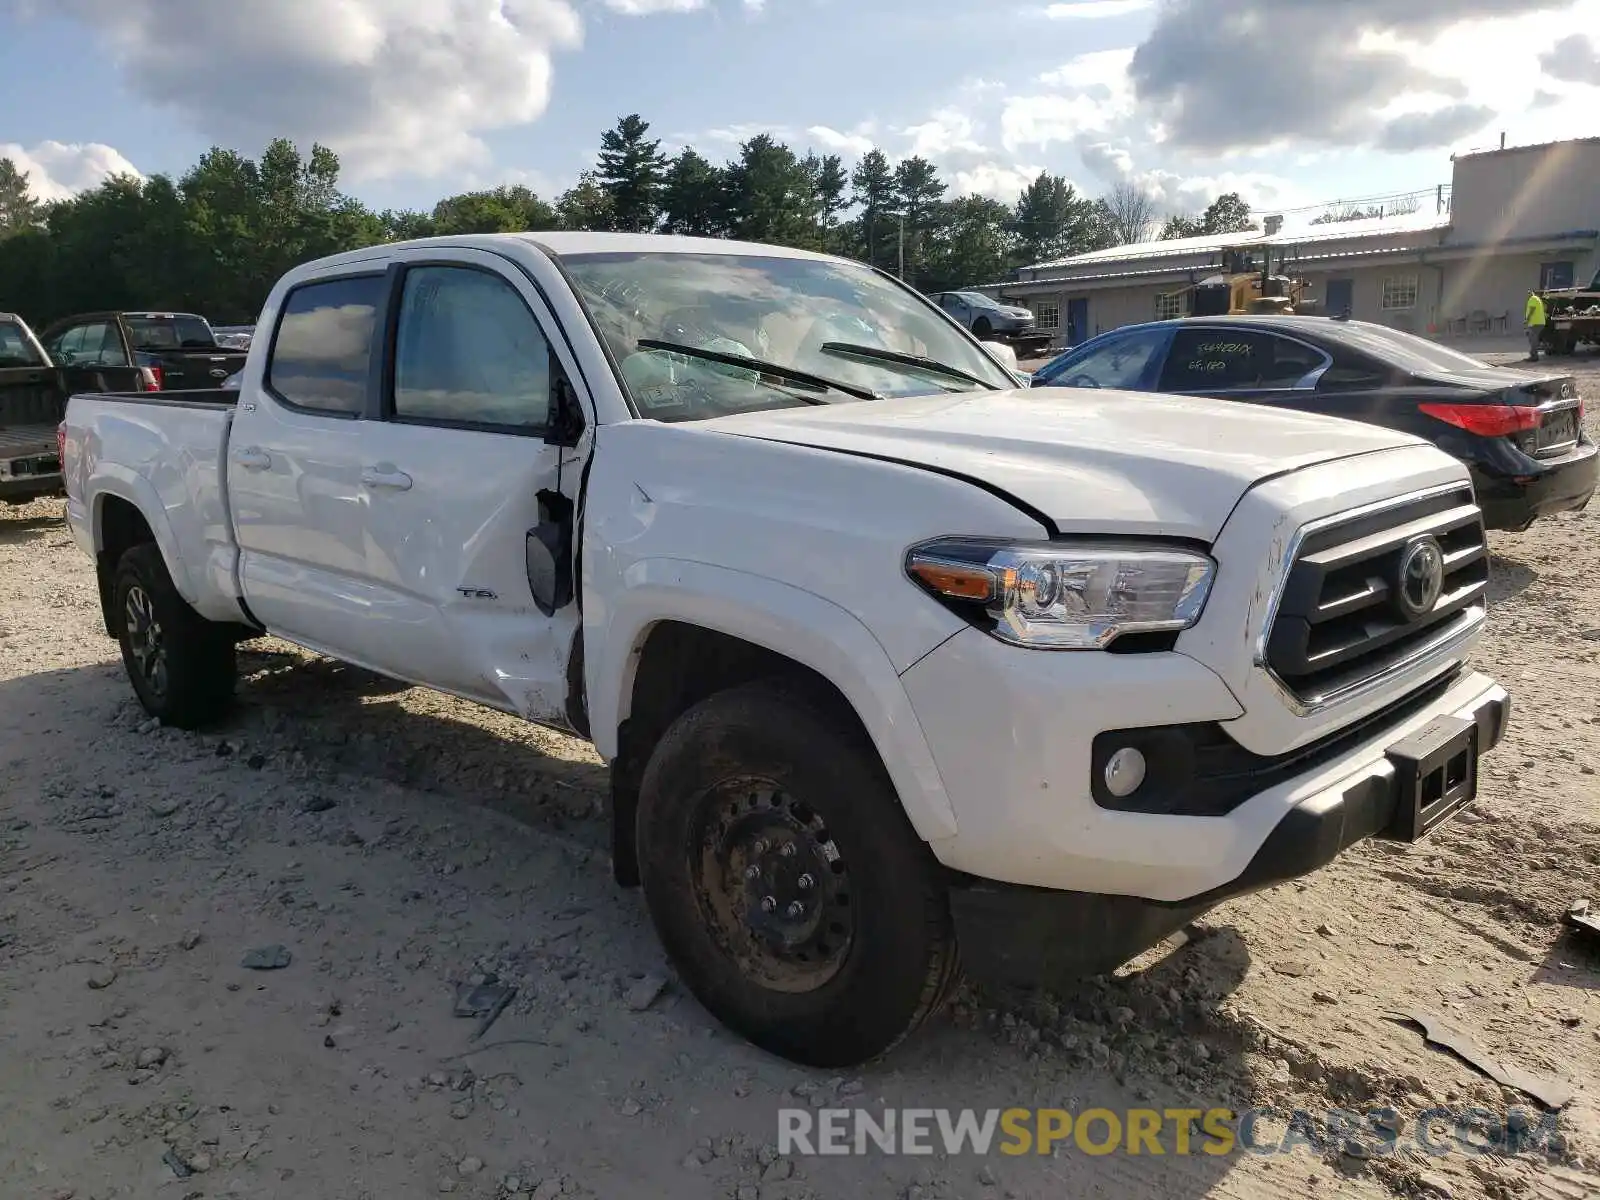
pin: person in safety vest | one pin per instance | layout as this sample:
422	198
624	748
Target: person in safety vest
1534	320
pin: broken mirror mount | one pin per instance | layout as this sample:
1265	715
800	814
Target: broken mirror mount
564	426
549	554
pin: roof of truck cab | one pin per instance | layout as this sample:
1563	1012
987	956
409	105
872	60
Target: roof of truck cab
570	242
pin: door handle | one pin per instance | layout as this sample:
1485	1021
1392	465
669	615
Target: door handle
385	476
252	458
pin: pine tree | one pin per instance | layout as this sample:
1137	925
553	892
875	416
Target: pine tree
872	189
919	192
693	196
629	171
19	211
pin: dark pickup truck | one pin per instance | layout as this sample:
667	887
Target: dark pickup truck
180	347
33	399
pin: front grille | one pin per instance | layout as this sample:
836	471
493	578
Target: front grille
1348	613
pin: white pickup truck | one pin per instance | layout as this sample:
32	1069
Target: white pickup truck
896	666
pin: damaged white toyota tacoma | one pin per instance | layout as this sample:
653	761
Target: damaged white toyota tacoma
897	666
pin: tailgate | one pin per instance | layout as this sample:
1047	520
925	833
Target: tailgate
28	451
188	370
30	396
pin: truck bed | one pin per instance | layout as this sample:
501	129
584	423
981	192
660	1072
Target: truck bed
179	441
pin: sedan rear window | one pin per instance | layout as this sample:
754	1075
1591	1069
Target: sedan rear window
1416	355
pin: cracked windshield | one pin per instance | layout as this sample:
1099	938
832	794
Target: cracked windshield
784	332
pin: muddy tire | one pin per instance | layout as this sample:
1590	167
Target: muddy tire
785	881
182	666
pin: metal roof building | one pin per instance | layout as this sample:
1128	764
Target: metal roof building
1510	220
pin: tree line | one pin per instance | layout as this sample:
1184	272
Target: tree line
215	239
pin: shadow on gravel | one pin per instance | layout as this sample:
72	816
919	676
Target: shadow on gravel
25	529
1508	578
353	721
1571	963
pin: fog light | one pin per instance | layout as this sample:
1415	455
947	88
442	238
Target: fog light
1124	772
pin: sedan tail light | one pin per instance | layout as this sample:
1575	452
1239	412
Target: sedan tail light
1486	420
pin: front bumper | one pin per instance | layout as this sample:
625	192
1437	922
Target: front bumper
1030	936
1561	485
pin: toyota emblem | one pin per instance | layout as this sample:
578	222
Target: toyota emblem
1420	578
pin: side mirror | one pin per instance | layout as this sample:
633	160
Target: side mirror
547	554
1004	354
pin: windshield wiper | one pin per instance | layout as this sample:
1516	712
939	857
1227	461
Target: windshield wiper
804	378
878	354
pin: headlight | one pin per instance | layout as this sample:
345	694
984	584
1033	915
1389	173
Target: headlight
1066	595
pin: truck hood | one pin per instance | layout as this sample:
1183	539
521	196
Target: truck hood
1089	461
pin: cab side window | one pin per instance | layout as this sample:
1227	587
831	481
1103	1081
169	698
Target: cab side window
322	350
469	352
102	346
67	346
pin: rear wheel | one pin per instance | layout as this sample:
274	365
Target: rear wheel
182	666
785	881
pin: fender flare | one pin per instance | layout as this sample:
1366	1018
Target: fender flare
113	479
787	620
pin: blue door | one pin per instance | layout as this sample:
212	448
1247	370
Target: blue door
1341	294
1077	321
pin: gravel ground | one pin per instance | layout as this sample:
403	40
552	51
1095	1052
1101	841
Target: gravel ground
397	842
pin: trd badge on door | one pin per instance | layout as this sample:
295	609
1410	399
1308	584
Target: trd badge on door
472	593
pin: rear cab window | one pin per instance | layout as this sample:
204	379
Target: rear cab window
321	356
168	331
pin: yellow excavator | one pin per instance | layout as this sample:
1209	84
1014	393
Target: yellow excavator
1241	287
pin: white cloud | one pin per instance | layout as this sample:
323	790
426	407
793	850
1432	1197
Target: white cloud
1106	69
1039	122
838	142
998	181
646	8
1095	10
397	87
57	170
948	131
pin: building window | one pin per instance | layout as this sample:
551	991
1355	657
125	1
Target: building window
1399	291
1047	314
1171	305
1554	276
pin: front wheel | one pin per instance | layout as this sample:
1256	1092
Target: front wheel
182	666
981	329
784	880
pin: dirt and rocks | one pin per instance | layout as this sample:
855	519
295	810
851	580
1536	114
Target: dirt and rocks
231	963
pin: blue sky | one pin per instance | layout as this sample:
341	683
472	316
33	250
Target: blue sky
1293	102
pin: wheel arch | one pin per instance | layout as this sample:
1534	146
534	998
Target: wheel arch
125	512
120	521
684	631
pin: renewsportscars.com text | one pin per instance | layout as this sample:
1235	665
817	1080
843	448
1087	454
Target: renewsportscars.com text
1376	1133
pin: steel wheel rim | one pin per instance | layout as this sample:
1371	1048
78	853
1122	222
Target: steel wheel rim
146	642
772	885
